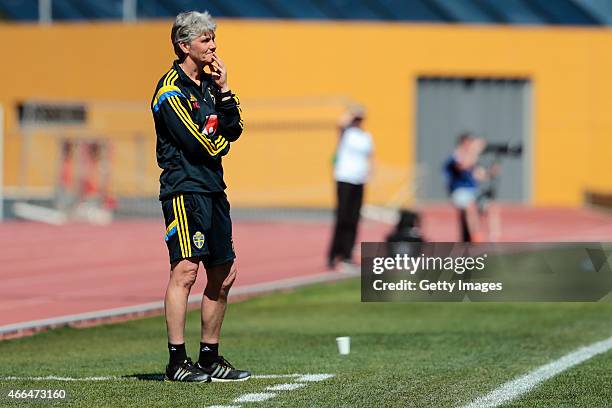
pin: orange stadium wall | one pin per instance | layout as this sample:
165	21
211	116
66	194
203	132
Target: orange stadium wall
318	67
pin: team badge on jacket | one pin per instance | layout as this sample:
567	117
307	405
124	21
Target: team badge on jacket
210	128
198	240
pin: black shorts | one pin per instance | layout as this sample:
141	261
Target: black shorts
199	225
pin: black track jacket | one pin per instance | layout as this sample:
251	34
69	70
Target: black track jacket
194	130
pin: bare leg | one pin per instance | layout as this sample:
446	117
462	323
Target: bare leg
214	301
182	277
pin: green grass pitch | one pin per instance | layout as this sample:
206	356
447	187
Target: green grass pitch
402	354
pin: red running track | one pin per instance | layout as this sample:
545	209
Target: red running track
48	271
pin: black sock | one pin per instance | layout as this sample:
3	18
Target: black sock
177	353
208	353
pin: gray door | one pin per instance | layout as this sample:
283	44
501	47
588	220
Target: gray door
495	109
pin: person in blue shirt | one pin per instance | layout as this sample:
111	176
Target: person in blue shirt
463	176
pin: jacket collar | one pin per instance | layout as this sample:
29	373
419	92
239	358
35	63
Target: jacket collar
184	78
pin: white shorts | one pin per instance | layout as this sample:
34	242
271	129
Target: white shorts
463	197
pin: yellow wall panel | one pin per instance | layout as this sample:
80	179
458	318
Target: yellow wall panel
374	63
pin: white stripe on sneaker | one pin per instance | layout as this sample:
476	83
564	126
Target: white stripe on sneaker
228	370
177	373
216	371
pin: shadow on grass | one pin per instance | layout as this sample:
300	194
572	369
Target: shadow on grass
146	377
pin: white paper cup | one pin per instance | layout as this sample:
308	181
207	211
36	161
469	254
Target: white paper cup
344	345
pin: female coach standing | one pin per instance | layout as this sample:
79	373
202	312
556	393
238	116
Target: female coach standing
196	117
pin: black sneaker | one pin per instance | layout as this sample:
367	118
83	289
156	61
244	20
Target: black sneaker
223	370
186	372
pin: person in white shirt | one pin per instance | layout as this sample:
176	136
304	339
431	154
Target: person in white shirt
351	170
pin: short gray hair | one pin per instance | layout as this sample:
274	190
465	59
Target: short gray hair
188	26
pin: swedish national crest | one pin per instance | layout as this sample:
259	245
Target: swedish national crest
198	240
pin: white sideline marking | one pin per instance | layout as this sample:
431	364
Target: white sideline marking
224	406
298	377
56	378
302	381
277	376
526	383
286	387
314	377
262	396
